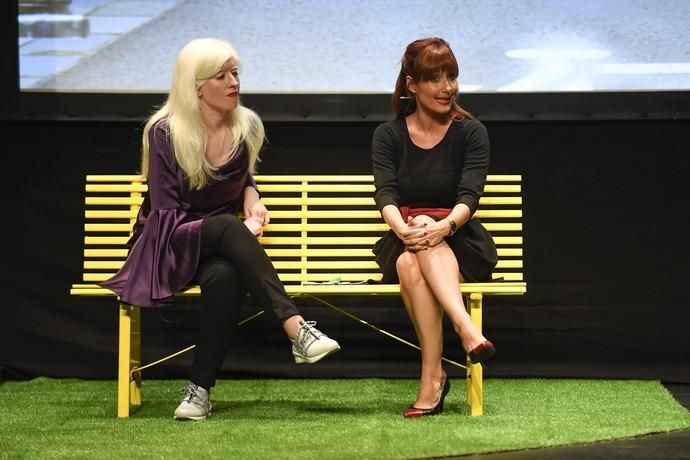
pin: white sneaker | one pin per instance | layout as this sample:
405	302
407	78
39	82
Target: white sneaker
195	405
311	344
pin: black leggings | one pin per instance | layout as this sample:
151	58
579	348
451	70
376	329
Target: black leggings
232	263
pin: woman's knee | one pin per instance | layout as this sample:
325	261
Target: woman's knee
216	271
408	269
218	224
216	231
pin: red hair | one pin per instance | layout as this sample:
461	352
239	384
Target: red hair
422	59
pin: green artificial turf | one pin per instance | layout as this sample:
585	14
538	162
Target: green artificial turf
324	419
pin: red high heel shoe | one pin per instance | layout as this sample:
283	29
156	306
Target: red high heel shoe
412	411
482	352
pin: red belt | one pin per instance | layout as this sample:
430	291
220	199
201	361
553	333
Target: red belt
439	213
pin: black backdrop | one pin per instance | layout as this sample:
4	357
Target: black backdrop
606	256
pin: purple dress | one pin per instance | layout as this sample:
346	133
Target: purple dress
165	247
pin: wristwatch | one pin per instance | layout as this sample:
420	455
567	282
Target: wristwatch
453	227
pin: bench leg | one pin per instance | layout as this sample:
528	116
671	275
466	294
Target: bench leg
129	356
475	384
135	358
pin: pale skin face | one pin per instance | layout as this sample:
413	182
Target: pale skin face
219	94
434	96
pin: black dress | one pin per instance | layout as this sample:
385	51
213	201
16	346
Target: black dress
452	172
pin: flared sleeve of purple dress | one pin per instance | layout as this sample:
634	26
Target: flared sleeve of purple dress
164	255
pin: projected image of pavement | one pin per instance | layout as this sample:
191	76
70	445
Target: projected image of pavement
333	46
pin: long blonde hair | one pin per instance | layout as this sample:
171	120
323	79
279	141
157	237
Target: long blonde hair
197	62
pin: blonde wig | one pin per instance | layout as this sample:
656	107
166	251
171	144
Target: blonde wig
197	62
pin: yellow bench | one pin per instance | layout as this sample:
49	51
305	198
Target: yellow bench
320	238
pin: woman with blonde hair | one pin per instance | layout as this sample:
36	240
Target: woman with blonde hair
430	166
199	153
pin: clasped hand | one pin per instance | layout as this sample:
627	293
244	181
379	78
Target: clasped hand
421	233
256	218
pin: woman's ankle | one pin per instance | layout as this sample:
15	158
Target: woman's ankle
291	326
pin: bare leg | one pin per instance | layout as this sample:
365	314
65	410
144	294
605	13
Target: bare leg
426	316
440	269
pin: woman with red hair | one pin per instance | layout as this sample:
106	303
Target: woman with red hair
430	165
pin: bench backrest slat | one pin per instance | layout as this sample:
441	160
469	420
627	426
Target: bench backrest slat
322	227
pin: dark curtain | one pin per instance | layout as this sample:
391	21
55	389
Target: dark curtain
606	254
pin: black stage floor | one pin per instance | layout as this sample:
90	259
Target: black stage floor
666	446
